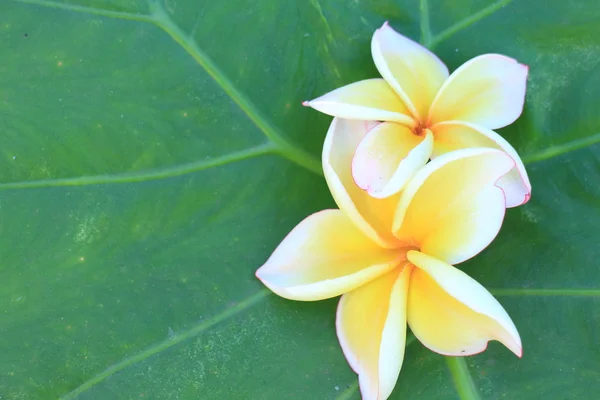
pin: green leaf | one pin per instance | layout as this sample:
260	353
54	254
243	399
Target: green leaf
154	153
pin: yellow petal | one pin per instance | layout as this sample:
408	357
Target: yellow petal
488	90
452	314
452	209
372	216
371	99
322	257
387	157
450	136
371	328
414	72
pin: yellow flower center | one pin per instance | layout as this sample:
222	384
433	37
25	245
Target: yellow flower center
402	254
419	128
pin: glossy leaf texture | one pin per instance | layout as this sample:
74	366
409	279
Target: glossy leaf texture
154	153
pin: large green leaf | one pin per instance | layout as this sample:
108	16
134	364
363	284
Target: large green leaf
153	154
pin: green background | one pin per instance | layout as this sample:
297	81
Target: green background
153	154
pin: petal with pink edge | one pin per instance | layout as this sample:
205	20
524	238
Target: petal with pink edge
452	314
414	72
388	156
371	99
454	135
322	257
452	209
373	216
488	90
371	328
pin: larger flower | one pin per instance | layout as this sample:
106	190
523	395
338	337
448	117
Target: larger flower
429	113
392	259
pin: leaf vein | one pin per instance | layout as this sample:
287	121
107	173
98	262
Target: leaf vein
241	306
463	382
546	292
349	392
285	148
269	148
325	45
468	21
424	23
558	150
353	388
328	32
90	10
161	19
168	172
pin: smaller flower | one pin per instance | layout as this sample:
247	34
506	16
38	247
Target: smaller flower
428	112
391	259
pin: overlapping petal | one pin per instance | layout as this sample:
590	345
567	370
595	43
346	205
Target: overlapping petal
452	208
373	216
387	157
401	222
371	327
371	99
414	72
454	135
452	314
324	256
488	90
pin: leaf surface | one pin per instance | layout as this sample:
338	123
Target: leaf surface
154	153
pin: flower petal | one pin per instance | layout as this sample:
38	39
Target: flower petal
454	135
452	209
322	257
414	72
452	314
371	99
387	157
373	216
371	328
488	90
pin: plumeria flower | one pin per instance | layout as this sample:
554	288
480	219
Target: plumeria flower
391	259
429	113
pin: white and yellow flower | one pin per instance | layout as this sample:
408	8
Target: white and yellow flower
391	258
428	112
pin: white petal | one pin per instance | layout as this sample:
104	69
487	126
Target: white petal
387	157
455	135
371	328
372	216
322	257
452	314
452	209
488	90
414	72
371	99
